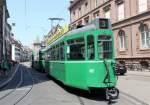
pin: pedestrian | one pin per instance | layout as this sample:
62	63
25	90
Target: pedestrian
4	69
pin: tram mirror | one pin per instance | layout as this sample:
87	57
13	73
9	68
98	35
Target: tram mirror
68	49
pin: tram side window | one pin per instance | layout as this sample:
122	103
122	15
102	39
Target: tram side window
57	52
76	49
61	51
53	54
90	45
48	54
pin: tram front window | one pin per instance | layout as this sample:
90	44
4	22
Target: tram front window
76	49
105	50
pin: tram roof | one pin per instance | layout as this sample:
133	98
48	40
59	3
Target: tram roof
73	32
83	29
94	25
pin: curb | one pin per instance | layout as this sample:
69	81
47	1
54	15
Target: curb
139	75
9	79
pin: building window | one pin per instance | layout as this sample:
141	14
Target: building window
97	2
144	36
80	12
96	15
105	1
73	26
80	22
74	13
86	4
121	11
122	40
73	16
107	14
142	5
86	7
106	10
86	20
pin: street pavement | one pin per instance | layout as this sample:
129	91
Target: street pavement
50	92
136	84
29	87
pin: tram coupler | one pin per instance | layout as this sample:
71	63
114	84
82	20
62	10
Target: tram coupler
112	94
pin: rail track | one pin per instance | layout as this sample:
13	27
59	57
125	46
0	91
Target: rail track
124	99
18	93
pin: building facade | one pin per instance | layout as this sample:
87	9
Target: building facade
5	30
8	41
1	30
26	54
17	51
130	22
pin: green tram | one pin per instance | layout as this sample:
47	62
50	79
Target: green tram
38	61
84	58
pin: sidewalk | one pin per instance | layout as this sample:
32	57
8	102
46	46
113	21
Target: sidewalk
139	89
5	79
139	73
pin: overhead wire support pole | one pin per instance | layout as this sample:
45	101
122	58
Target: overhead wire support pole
53	19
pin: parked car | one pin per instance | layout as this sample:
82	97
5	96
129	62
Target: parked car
121	69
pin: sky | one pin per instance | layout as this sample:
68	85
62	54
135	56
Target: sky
31	17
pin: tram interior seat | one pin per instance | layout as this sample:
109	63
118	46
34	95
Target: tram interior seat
76	56
92	56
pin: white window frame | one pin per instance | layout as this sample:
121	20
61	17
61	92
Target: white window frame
86	7
107	14
142	5
121	11
97	2
146	33
105	1
79	12
96	14
122	41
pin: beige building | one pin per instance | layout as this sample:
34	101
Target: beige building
130	22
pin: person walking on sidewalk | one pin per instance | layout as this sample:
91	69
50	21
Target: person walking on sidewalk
4	68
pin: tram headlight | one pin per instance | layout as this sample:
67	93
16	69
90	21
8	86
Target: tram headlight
92	71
